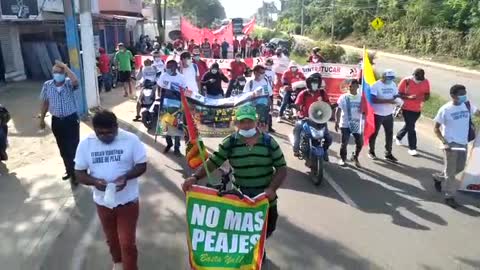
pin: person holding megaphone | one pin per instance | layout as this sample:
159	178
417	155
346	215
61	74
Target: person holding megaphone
315	92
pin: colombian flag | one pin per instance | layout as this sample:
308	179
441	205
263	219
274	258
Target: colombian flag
368	80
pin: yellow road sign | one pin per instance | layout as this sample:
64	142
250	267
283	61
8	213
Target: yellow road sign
377	23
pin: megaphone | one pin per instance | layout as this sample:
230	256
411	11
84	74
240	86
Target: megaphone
320	112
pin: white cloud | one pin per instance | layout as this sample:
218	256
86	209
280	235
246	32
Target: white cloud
242	8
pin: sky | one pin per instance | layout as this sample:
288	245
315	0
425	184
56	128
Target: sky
242	8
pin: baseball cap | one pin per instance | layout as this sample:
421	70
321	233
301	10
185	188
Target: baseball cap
246	112
389	73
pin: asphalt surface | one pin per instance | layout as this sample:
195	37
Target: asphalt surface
384	216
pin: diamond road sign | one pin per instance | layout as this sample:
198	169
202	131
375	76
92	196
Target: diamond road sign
377	24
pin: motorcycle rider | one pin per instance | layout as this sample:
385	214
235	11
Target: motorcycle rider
305	99
146	76
4	118
293	74
158	63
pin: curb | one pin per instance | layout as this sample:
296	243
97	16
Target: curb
416	60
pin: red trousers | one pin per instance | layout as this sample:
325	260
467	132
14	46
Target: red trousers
119	225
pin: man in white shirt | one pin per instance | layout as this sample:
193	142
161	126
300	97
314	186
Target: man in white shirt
158	63
454	128
110	161
348	119
190	72
264	105
170	83
384	97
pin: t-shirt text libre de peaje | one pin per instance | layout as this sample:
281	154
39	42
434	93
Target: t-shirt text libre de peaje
384	91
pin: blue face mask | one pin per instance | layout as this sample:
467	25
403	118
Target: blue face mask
462	99
170	71
248	133
59	77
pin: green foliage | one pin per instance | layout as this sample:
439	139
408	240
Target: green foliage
267	34
432	27
202	12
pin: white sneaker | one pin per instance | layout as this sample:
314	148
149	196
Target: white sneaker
341	162
279	119
413	153
118	266
398	142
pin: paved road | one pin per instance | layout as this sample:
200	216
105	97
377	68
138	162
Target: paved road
381	217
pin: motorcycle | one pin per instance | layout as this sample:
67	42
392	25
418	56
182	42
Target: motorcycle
291	111
312	139
148	99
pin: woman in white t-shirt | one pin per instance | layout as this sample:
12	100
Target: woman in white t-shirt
453	128
348	118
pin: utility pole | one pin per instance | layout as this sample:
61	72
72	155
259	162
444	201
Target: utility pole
88	54
333	22
73	43
160	26
165	34
302	16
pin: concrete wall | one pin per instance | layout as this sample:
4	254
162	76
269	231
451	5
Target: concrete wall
12	53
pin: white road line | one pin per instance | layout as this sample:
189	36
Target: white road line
80	252
339	190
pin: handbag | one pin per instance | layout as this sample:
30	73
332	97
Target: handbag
471	126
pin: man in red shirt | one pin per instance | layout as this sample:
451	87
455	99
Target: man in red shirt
104	67
216	49
236	45
414	90
316	57
191	45
178	44
290	76
243	45
305	99
237	69
202	65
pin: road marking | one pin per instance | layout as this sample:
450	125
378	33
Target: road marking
80	252
339	190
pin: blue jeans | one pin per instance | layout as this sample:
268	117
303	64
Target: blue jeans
3	138
106	81
297	131
285	102
170	142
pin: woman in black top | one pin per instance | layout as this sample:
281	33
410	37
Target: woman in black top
212	80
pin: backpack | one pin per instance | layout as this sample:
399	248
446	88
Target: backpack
267	141
471	126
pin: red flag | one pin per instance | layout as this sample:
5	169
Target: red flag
248	28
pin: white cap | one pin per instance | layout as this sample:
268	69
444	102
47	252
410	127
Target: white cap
389	73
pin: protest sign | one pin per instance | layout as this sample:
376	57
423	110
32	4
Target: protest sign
471	174
225	232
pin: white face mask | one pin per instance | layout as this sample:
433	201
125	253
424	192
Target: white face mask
314	86
238	59
214	71
157	59
293	69
188	62
268	67
248	133
242	83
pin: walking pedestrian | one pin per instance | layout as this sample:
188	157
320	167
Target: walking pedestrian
264	105
454	128
58	98
414	90
110	161
348	119
236	45
225	47
248	46
216	48
243	45
202	65
104	67
4	119
190	72
384	94
123	60
170	83
237	69
246	149
212	80
206	49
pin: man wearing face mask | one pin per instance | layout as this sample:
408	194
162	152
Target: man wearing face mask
257	161
58	98
237	69
158	63
123	59
281	63
170	83
212	80
305	99
415	90
454	128
190	72
264	105
113	158
384	97
202	65
290	76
